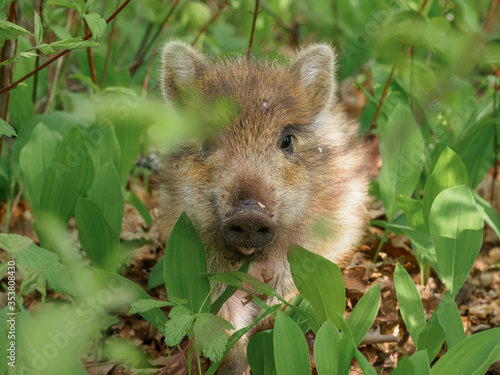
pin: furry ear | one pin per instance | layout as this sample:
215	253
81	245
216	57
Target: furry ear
181	66
315	69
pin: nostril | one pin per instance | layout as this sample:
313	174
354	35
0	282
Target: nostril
264	230
236	229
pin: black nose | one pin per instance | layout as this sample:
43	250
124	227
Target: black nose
249	228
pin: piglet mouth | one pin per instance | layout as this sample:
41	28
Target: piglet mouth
247	251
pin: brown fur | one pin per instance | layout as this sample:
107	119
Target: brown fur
316	195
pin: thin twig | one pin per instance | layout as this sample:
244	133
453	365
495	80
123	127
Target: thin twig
137	61
489	19
278	19
37	59
91	57
222	5
146	46
103	80
57	56
255	14
374	121
495	140
157	46
10	72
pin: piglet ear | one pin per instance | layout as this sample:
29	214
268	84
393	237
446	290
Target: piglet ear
315	67
181	67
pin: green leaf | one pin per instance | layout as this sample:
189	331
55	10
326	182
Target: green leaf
45	49
402	152
6	129
9	30
236	336
410	304
209	335
449	171
364	364
432	337
319	281
327	345
73	43
237	278
98	239
128	135
156	276
456	228
38	28
413	212
421	242
404	367
144	305
488	213
420	363
70	176
14	242
450	320
228	292
35	159
291	353
66	3
260	353
20	55
47	264
139	205
103	145
180	322
96	24
364	313
132	293
185	265
468	355
106	193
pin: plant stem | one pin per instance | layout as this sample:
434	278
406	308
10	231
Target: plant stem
255	14
103	80
214	17
62	53
495	142
381	243
37	60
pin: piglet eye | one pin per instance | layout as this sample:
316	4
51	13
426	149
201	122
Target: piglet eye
286	142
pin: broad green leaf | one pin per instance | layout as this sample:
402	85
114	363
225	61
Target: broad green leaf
450	320
180	321
9	30
103	145
494	356
421	242
128	135
14	242
98	239
209	335
327	347
364	364
432	337
291	353
73	43
260	353
106	193
466	357
144	305
236	336
413	212
70	176
402	152
45	49
364	313
132	293
456	228
404	367
48	265
185	265
228	292
420	363
488	213
410	304
6	129
449	171
35	159
237	278
38	28
156	276
319	281
139	205
96	24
